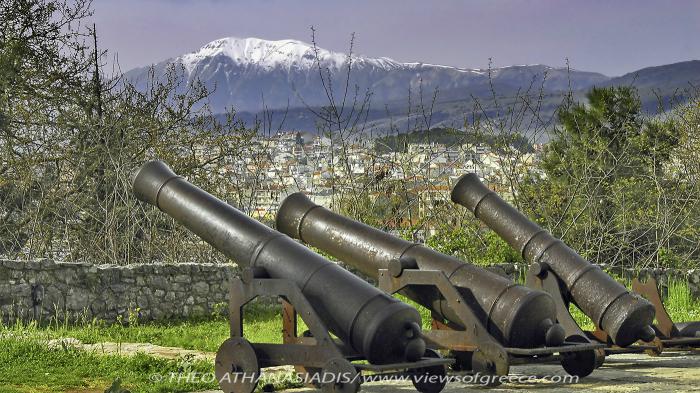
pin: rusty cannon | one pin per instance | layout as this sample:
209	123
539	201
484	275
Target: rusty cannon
623	315
488	321
368	323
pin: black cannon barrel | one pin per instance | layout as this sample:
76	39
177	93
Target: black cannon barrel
376	325
625	316
515	315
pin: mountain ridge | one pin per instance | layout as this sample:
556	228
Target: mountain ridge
252	75
286	73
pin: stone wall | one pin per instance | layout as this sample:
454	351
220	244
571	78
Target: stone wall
49	289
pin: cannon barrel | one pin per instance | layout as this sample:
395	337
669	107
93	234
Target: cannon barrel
515	315
374	324
625	316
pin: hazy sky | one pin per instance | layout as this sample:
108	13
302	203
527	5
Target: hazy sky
612	37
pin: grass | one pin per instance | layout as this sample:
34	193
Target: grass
26	349
425	314
681	304
581	319
262	323
29	365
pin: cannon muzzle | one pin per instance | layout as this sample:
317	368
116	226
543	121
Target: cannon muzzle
515	315
625	316
374	324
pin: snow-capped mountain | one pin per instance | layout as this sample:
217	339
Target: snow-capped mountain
283	54
248	73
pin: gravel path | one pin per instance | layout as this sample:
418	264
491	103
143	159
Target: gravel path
670	372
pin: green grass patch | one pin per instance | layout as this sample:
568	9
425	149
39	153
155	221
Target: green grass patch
425	314
680	303
30	365
581	319
262	323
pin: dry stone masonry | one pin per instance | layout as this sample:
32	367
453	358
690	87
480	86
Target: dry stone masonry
45	289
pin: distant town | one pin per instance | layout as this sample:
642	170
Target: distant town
275	166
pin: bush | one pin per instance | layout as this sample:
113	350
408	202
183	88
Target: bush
475	245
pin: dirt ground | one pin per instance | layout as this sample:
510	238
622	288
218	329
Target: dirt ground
670	372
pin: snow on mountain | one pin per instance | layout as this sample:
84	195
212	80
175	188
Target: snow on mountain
285	54
292	54
246	73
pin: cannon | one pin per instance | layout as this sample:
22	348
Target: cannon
511	320
625	317
368	323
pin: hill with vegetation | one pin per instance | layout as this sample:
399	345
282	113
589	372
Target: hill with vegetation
449	137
